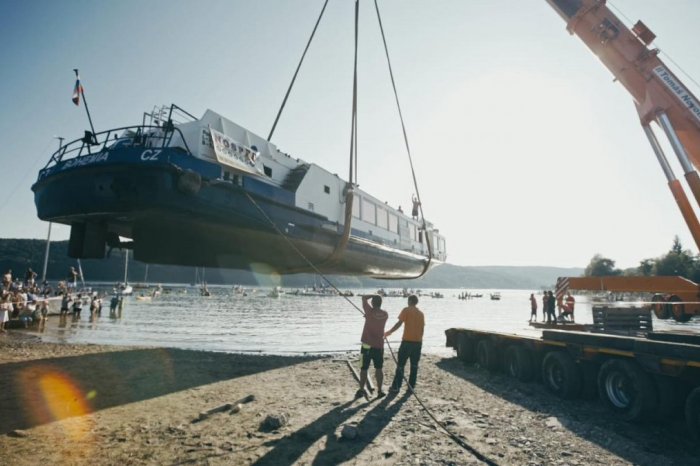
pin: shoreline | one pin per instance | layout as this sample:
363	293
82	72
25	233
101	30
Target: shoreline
97	404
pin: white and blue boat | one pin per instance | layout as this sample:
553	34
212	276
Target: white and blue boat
207	192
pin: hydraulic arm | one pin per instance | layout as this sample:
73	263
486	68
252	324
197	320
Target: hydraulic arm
659	97
658	94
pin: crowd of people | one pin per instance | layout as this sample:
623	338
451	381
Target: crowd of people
550	305
28	301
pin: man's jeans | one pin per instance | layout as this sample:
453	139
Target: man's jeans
407	350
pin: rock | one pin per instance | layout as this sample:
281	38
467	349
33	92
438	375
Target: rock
18	433
274	422
349	432
553	423
236	408
491	441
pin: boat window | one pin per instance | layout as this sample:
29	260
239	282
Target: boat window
227	176
382	221
393	223
326	189
311	206
268	171
356	207
368	211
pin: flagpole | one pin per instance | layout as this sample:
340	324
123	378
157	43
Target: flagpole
87	110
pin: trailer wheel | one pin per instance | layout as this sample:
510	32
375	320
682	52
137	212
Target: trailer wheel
692	412
678	310
661	311
486	355
561	375
672	393
627	390
519	363
466	350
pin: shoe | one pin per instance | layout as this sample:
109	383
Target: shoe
360	394
380	394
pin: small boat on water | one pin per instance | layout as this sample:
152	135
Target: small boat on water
496	296
208	192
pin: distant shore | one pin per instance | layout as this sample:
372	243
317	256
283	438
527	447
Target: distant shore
92	404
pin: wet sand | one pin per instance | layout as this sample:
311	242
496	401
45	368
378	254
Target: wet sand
89	404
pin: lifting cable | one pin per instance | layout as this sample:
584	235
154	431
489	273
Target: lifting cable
408	148
291	84
351	183
459	441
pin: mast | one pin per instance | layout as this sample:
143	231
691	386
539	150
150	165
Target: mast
46	254
126	266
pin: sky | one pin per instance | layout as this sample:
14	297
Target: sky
526	151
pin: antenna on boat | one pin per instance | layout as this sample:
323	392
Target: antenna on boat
77	92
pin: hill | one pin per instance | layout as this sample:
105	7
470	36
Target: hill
18	254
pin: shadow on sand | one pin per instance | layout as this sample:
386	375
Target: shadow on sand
40	391
289	449
587	419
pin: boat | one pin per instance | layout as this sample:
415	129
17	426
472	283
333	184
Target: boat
275	292
496	296
207	192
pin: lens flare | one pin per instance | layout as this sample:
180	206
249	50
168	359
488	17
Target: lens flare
49	395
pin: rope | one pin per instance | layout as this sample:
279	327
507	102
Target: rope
480	456
453	436
291	84
405	139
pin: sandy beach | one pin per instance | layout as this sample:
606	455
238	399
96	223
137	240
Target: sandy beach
89	404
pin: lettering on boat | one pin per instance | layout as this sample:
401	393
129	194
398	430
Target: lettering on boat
233	154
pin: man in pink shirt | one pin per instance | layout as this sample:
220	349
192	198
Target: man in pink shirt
372	343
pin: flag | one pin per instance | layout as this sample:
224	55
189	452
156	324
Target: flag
78	89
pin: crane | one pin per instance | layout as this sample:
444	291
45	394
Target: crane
659	97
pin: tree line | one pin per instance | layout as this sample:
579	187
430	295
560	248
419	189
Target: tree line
676	262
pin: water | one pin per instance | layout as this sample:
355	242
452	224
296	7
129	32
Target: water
230	322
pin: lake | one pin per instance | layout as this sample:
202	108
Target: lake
230	322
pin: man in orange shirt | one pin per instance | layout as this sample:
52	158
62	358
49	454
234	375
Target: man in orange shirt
411	342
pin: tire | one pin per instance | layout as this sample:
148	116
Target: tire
561	375
486	355
677	311
671	393
661	311
692	412
519	363
627	390
466	349
189	182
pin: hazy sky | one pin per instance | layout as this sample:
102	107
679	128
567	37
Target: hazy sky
527	153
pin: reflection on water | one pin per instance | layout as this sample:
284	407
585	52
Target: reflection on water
226	321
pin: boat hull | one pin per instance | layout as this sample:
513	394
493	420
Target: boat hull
175	211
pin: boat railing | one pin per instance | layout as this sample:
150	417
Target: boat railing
147	136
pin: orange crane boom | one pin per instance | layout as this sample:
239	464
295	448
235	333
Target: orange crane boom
659	97
658	94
